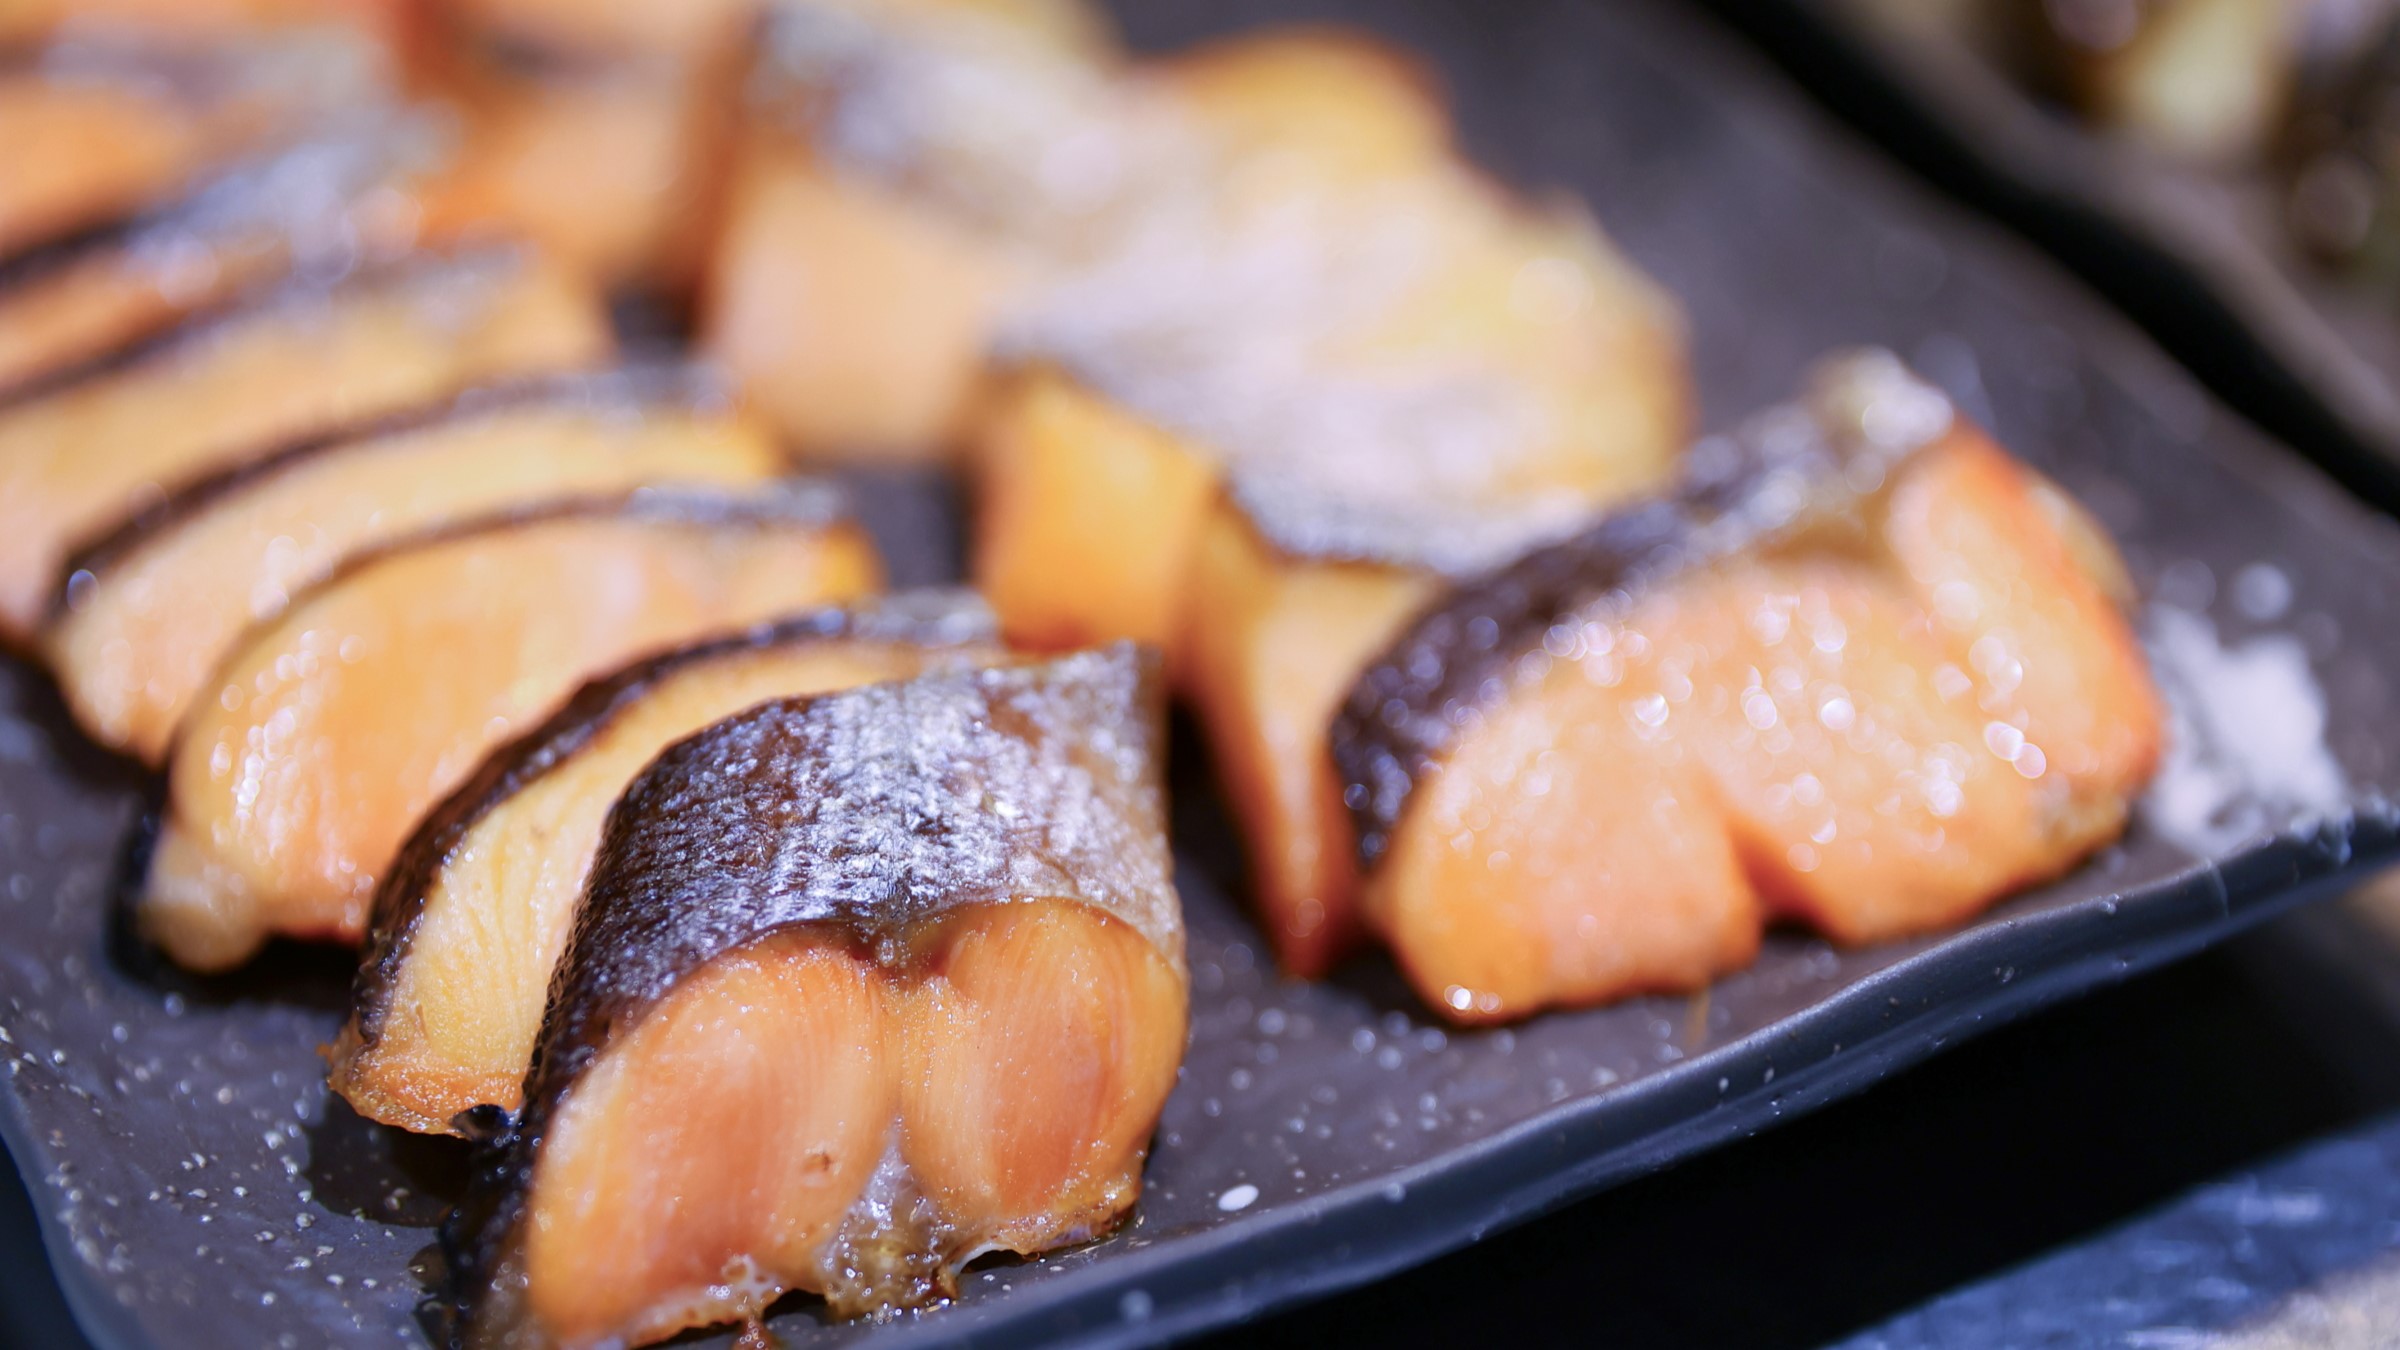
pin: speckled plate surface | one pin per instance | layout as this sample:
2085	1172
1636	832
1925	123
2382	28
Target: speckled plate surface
198	1188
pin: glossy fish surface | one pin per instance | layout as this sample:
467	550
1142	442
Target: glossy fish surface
147	613
333	729
1861	670
224	389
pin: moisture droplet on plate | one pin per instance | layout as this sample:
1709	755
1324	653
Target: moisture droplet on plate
2262	592
1238	1198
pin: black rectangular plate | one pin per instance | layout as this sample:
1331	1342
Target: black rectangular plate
2218	229
199	1189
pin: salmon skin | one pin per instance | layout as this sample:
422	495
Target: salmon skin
1458	374
290	791
909	961
1860	670
472	918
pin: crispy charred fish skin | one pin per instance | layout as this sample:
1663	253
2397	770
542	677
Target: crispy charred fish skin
865	816
937	622
1812	466
942	619
1863	670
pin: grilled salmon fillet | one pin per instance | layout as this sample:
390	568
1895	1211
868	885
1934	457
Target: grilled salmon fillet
86	153
865	984
877	355
1861	670
1273	644
148	612
103	128
613	169
2207	81
964	161
472	917
227	388
333	729
192	22
1073	486
593	31
1331	365
1272	524
319	204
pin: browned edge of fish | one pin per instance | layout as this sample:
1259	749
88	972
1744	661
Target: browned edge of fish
1761	484
930	619
687	875
628	388
35	261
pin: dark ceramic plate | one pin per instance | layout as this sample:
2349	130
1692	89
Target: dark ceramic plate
2219	229
198	1188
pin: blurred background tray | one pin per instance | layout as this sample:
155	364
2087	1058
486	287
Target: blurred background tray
2198	254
